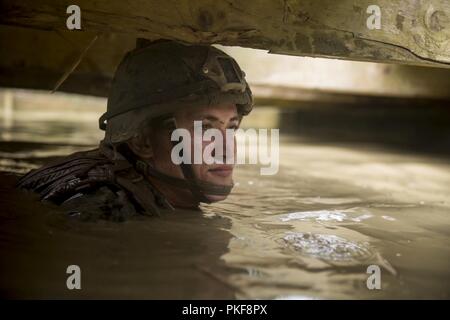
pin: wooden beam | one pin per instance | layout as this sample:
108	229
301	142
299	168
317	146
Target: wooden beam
413	32
313	99
37	59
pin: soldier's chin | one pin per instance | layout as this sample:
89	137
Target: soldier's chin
215	198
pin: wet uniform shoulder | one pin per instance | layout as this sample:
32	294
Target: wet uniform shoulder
102	203
90	185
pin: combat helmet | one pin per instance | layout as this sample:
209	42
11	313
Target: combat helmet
156	79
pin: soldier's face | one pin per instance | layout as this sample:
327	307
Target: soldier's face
220	117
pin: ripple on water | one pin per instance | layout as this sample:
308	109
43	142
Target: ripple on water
328	247
326	215
329	200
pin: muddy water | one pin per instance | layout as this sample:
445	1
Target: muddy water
309	232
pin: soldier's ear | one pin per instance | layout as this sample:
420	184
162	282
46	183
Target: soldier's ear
141	147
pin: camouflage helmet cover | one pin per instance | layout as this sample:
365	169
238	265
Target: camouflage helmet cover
167	76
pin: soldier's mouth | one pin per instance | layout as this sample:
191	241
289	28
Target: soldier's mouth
222	171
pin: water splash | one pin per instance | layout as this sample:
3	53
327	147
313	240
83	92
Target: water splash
324	215
328	247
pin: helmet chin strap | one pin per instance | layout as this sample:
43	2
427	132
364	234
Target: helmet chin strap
198	188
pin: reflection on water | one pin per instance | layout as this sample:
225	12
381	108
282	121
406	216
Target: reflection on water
309	232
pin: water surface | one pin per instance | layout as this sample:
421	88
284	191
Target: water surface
309	232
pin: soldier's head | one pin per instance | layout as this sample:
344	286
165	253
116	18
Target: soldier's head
167	86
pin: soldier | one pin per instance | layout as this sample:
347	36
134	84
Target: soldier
156	89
